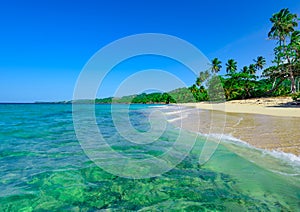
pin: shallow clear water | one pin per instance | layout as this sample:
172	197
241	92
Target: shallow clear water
43	167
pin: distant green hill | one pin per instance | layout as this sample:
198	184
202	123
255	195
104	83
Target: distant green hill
176	96
179	95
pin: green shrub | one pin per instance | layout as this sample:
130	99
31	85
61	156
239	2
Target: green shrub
296	96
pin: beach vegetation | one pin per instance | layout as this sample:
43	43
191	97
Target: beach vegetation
296	96
287	49
276	80
281	78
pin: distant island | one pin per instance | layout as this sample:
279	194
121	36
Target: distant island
180	95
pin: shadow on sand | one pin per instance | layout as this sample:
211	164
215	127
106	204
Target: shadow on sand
292	104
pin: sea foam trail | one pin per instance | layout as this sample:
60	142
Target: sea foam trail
175	113
273	160
159	106
278	154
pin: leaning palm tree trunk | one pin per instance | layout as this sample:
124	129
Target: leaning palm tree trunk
273	85
293	84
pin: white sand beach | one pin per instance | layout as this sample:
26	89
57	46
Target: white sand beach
281	106
266	123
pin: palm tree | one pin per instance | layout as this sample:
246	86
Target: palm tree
245	70
203	76
252	69
295	37
216	65
260	62
198	81
231	66
284	23
295	43
193	89
293	58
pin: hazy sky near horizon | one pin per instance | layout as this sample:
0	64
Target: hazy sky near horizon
44	45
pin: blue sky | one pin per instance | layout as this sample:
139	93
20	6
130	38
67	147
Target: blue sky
45	44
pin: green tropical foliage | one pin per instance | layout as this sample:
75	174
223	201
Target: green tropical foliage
278	79
260	62
284	23
231	66
216	65
296	96
281	78
287	50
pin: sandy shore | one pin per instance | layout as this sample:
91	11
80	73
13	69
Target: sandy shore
269	123
281	106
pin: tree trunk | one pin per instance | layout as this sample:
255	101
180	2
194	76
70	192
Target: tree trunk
273	89
293	84
248	93
292	78
274	83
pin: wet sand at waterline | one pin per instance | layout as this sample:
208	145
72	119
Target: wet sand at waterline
267	126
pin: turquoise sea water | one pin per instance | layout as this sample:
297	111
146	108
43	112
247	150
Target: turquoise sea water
44	168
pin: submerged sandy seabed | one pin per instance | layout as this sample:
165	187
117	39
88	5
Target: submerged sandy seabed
269	123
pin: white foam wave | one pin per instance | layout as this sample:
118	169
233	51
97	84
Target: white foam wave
226	138
178	118
284	155
159	106
178	112
173	113
176	115
283	173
